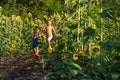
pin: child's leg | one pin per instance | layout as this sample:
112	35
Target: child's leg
34	51
37	51
48	44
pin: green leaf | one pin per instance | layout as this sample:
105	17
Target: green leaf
73	71
115	67
75	65
115	76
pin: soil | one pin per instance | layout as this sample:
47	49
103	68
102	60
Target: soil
22	67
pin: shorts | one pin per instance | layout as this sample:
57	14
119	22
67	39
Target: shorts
49	38
35	43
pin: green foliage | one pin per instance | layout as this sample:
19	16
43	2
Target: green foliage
88	33
79	26
37	7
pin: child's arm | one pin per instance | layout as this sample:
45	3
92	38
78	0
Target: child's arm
44	28
33	36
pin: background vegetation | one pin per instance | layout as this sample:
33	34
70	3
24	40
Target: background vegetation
88	41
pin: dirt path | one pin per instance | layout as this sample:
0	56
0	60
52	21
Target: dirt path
22	68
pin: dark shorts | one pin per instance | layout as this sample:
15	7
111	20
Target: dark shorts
35	43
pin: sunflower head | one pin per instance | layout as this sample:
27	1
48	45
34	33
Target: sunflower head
18	18
96	49
39	21
11	49
94	26
43	37
13	17
81	53
75	56
13	45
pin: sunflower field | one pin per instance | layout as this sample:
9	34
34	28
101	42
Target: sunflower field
87	44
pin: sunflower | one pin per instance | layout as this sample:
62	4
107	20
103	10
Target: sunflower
39	21
45	17
94	26
13	45
13	17
11	49
56	15
64	15
96	49
18	18
43	37
75	56
81	53
49	50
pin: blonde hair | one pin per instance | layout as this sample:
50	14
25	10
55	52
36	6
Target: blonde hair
49	19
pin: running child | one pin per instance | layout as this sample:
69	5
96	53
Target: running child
48	28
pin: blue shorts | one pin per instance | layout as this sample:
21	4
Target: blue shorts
35	43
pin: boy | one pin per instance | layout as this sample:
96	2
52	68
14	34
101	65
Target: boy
48	30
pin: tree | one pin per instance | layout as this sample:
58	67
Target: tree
37	7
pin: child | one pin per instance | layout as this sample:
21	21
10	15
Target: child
35	37
48	30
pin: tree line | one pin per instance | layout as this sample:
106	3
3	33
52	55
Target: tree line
38	8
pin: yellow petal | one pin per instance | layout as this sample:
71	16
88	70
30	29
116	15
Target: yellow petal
75	56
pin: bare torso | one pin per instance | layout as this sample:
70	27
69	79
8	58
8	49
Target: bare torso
48	30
